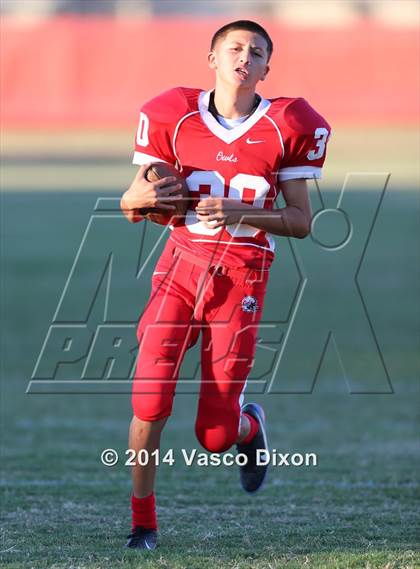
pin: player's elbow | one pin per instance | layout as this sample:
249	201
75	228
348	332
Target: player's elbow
303	224
303	230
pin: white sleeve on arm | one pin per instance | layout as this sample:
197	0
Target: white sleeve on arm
141	158
297	172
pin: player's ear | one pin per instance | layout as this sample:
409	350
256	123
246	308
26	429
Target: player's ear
267	69
211	58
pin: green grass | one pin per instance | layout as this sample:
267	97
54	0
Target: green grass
356	509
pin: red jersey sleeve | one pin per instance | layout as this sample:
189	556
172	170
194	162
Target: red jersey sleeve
157	125
305	135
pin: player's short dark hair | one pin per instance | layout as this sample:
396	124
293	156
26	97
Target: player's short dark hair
248	25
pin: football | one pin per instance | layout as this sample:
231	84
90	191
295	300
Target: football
159	170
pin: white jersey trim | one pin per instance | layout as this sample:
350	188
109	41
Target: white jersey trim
295	172
279	135
229	135
140	158
230	243
181	120
271	241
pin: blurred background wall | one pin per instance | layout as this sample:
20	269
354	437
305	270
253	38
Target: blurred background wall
71	69
83	63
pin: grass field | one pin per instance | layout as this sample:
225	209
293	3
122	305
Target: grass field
357	509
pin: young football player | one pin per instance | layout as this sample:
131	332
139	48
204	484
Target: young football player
237	151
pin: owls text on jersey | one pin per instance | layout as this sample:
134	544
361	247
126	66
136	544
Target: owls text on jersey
283	139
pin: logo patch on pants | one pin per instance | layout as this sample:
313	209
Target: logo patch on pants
249	304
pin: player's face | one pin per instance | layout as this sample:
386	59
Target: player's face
240	59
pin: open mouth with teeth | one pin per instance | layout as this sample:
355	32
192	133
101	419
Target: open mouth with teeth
242	72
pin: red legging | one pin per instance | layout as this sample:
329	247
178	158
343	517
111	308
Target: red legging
188	298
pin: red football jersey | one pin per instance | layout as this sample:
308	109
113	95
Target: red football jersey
283	139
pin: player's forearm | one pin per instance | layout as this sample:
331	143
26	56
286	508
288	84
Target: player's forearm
289	221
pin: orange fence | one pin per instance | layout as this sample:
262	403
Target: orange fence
96	72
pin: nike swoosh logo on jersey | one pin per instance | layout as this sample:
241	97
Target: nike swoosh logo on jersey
248	141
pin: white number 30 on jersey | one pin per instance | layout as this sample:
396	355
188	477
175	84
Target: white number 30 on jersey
321	135
213	183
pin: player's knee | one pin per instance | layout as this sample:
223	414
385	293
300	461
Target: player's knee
216	428
151	406
216	438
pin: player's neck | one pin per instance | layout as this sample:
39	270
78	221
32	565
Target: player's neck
234	104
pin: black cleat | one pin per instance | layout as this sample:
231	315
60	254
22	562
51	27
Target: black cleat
253	474
142	538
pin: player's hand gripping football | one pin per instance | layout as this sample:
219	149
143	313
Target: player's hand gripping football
144	194
216	212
